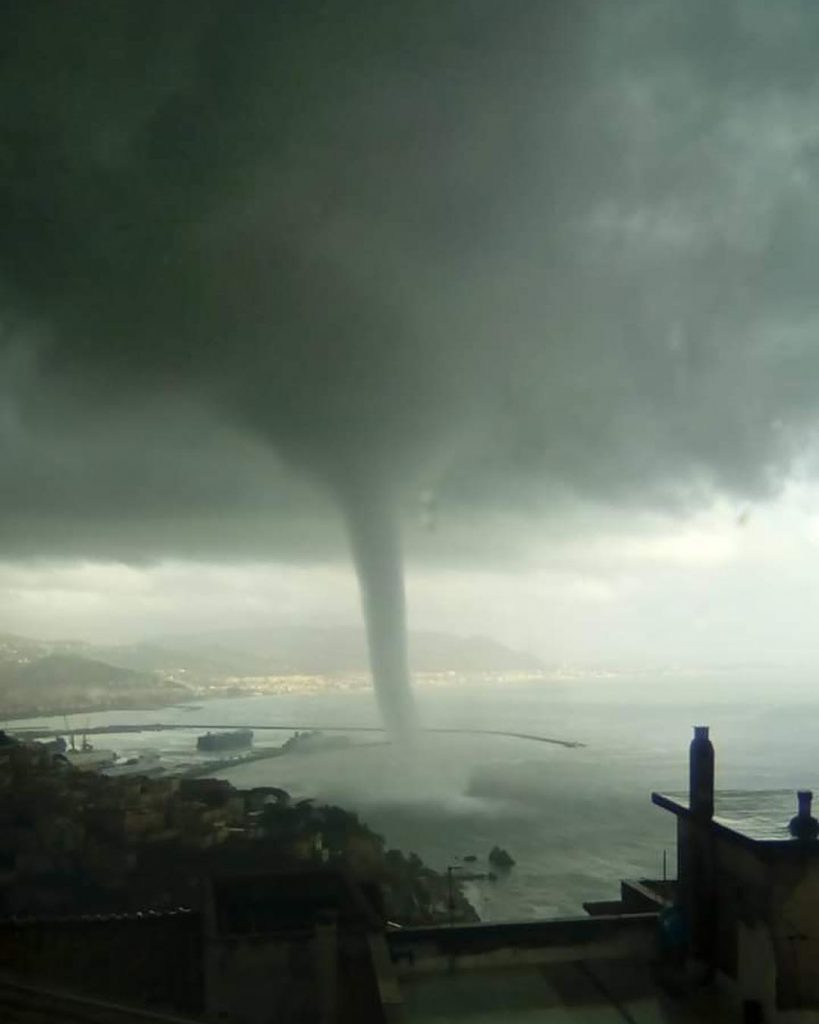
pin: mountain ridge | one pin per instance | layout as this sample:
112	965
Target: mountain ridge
301	650
313	650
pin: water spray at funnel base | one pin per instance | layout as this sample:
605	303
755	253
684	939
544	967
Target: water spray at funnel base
376	548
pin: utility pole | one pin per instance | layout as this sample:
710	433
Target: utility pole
450	894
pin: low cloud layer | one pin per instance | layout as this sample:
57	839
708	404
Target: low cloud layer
501	253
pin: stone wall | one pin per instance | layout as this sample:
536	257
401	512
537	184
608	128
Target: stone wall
759	904
154	961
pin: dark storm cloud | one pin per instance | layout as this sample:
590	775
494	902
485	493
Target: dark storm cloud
498	248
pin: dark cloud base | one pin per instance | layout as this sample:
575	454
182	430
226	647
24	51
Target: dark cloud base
491	250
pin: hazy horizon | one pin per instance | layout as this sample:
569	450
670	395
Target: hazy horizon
732	586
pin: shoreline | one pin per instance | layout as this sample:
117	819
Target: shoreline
424	680
86	709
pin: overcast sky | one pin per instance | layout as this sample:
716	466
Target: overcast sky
543	272
708	590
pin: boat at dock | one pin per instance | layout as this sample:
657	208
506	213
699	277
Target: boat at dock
88	758
144	764
237	739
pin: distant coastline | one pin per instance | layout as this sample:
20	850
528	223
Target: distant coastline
44	678
174	692
243	687
18	715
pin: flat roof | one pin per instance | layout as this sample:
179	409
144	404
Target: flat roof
603	991
758	817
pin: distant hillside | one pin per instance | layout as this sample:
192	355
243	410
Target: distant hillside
67	672
34	679
309	651
14	648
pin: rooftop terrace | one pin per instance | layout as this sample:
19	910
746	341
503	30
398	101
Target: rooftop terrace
758	816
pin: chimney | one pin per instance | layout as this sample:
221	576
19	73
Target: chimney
804	825
697	879
701	775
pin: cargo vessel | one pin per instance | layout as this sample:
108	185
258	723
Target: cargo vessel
237	739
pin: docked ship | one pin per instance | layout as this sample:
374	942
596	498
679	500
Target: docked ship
147	764
217	742
88	758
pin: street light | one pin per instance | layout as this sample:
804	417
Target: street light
469	858
450	893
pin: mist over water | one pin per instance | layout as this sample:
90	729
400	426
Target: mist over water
576	821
